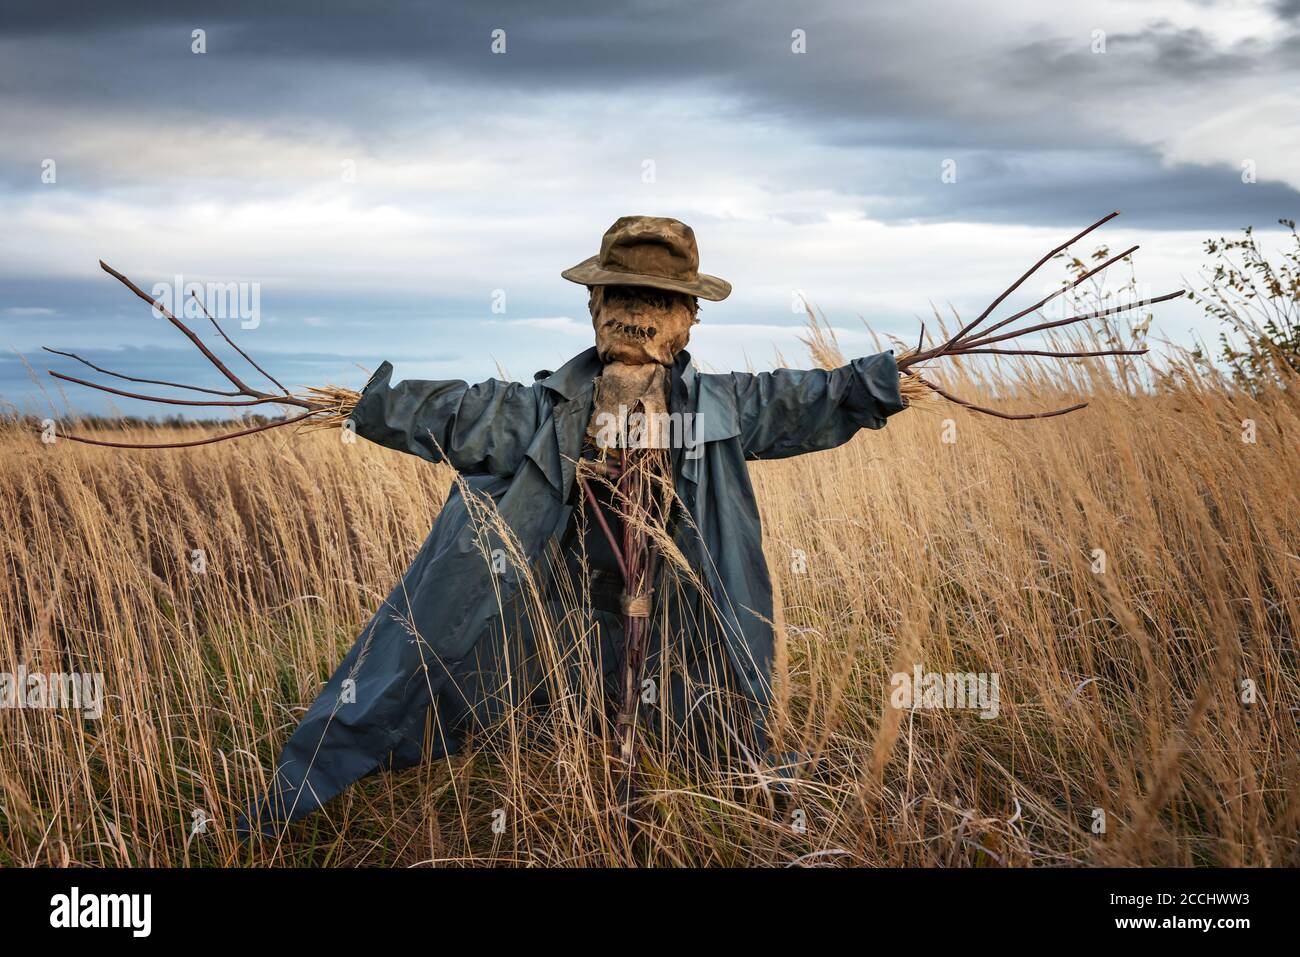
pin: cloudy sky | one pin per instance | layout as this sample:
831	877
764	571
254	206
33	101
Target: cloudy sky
393	188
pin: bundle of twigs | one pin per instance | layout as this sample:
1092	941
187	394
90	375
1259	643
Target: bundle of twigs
324	407
640	480
971	340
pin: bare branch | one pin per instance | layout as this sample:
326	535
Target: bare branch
1064	289
208	354
1001	415
327	406
228	403
1033	269
1112	310
231	342
187	445
1054	355
131	378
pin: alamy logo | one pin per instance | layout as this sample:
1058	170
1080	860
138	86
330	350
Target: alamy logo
221	300
950	690
76	909
653	430
78	691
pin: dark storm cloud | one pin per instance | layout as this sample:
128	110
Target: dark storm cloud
1287	9
734	47
904	80
1161	51
859	65
1043	131
871	81
1048	188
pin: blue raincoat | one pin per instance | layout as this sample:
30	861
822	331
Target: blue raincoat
428	666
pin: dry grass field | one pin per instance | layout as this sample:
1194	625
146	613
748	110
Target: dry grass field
1150	699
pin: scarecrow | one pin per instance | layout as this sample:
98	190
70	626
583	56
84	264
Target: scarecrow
604	480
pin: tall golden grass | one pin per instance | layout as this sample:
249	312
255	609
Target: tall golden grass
1131	573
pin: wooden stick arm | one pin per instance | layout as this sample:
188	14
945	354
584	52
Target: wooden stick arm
971	340
326	406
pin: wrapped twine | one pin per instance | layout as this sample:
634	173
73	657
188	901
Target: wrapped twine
637	606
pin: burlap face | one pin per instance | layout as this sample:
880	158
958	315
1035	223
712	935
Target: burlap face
630	407
636	324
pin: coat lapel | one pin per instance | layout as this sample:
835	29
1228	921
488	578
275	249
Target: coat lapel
544	452
713	401
571	418
556	448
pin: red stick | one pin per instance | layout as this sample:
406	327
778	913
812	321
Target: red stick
1033	269
238	383
187	445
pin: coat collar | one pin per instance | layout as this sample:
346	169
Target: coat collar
556	449
579	372
575	375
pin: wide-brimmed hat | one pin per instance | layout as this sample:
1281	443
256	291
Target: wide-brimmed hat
649	251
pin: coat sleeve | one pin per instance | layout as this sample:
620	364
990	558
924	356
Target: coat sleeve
793	411
482	428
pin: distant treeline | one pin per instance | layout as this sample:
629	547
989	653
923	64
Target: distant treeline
139	421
